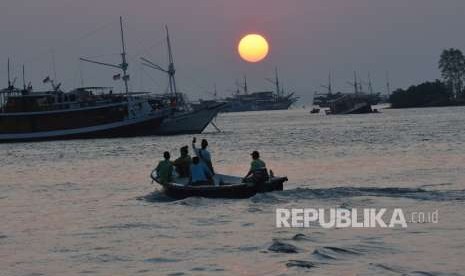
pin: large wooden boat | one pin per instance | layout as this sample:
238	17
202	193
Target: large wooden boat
96	112
350	104
256	101
32	116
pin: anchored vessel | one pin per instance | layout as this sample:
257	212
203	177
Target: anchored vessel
350	104
95	112
328	98
50	115
256	101
357	102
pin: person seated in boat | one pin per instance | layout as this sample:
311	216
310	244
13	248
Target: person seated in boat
203	154
165	169
200	174
257	172
183	163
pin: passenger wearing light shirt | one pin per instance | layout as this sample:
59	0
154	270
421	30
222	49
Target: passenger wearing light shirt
200	174
203	154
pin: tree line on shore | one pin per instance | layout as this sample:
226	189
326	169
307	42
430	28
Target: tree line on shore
450	90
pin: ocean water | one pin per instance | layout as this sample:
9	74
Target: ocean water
87	207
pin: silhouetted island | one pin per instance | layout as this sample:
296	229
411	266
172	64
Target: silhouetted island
448	92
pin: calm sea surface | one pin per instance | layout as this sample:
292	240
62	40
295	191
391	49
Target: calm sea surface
87	207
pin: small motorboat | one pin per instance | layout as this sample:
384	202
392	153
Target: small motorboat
226	186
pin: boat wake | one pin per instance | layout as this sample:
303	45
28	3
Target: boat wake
326	193
344	192
156	197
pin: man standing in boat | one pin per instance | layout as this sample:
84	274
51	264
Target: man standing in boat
203	154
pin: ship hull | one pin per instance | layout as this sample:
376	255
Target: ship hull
350	104
193	122
243	107
127	128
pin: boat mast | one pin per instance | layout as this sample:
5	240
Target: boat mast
330	84
8	68
388	84
123	66
246	90
171	69
370	85
24	80
329	87
355	83
277	81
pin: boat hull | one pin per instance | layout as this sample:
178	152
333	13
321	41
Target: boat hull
241	104
127	128
363	108
180	190
350	104
244	107
192	122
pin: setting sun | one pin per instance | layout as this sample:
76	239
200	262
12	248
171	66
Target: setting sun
253	48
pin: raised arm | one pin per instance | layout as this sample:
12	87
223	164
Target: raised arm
194	148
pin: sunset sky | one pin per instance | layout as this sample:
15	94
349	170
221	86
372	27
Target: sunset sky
307	39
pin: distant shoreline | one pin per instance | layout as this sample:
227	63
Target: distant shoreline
454	104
